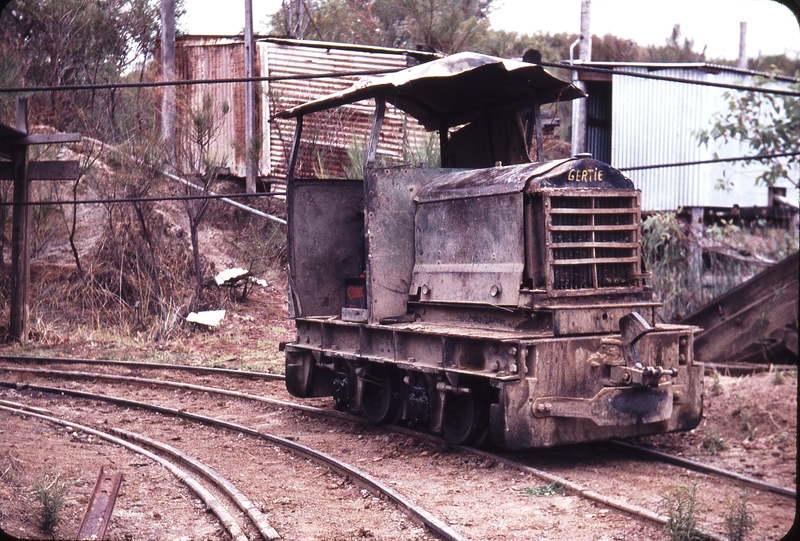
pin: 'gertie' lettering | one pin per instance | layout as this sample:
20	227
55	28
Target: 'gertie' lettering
585	175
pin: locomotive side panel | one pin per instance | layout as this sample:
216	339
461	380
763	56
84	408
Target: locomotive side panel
390	237
467	252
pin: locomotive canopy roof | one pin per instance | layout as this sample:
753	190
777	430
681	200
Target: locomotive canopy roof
454	90
568	173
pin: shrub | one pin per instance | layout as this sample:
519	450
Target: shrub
681	511
50	491
714	443
738	520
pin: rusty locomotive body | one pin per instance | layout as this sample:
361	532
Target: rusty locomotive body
501	301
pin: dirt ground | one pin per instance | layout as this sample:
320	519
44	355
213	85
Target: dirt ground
749	426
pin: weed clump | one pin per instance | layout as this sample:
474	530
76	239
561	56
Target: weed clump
553	489
716	387
738	520
746	419
50	491
714	444
682	513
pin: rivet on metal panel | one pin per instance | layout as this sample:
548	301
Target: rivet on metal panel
425	289
512	350
512	368
495	290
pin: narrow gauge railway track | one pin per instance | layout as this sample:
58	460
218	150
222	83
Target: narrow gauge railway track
133	365
126	438
635	450
571	486
343	469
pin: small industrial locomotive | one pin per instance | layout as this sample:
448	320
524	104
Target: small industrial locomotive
501	295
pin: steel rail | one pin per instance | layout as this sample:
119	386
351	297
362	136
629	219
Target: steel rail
704	468
685	463
571	486
244	503
345	470
589	494
222	513
140	364
165	383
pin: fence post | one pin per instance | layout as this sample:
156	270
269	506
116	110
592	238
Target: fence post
20	246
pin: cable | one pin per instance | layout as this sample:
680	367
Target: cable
717	160
139	199
560	65
731	86
270	194
115	86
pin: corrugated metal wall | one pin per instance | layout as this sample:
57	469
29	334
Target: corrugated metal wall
214	58
327	136
657	122
598	120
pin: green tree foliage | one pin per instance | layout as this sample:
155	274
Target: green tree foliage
675	49
768	123
75	42
446	26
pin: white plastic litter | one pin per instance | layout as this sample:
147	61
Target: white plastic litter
230	275
210	318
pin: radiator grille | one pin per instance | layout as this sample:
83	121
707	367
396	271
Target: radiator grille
593	242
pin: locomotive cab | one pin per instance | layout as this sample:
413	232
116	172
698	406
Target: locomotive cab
501	301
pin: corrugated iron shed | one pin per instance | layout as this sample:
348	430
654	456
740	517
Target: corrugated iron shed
209	57
331	134
657	122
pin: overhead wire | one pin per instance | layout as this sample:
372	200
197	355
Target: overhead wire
560	65
326	75
227	197
683	80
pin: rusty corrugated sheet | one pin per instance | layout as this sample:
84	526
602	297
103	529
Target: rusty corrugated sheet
204	57
331	134
327	135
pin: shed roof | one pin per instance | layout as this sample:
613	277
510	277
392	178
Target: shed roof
454	90
705	67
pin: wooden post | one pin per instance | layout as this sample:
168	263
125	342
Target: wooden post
20	249
372	143
695	251
444	144
251	171
168	100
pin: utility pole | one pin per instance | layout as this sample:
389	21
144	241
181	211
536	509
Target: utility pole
586	33
579	106
168	114
251	152
742	45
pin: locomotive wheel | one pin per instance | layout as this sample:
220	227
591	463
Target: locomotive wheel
300	374
464	420
380	398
